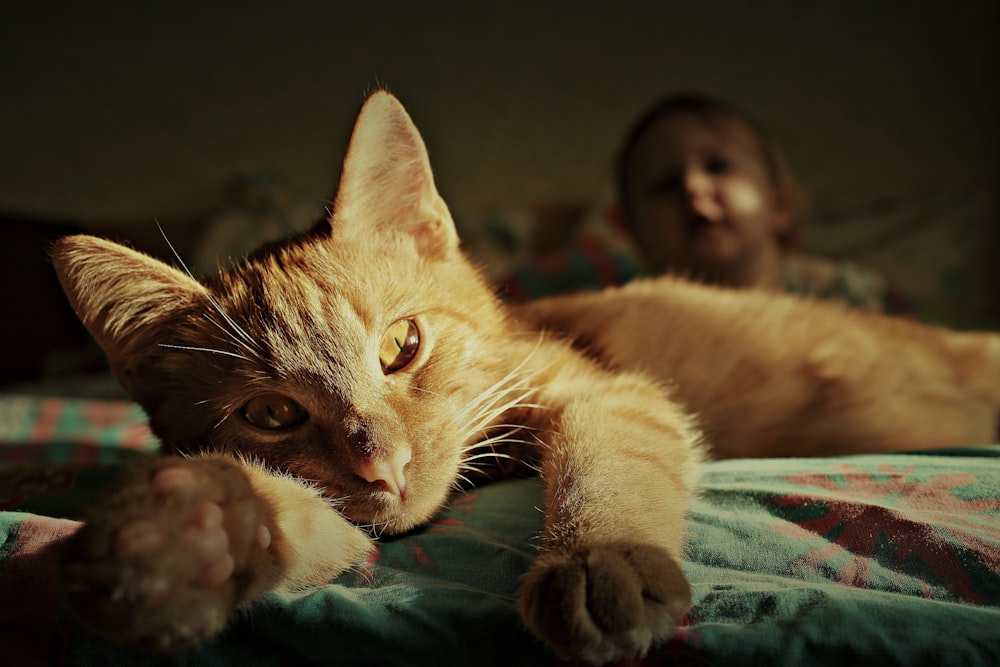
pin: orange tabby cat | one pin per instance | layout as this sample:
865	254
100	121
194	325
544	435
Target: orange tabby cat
772	375
344	381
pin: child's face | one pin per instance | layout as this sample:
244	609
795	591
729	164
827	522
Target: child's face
700	195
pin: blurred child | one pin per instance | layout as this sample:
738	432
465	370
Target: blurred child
705	194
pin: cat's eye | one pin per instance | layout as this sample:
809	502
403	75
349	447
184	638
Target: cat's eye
273	412
399	345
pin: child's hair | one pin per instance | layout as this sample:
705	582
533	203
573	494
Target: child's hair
713	113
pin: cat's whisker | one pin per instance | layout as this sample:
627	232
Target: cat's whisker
223	420
486	441
173	250
242	339
488	406
504	437
459	476
365	572
517	379
488	411
464	465
194	348
533	467
380	527
426	391
236	331
376	527
514	427
491	455
240	336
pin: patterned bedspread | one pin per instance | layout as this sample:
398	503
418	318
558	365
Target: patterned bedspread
881	560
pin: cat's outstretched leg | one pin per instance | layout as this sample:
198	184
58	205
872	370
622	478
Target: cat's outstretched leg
163	560
619	473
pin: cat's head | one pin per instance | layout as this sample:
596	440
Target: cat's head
363	355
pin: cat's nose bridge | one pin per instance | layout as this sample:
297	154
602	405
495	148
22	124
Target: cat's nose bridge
367	436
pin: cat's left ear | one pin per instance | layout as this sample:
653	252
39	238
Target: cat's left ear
125	299
387	184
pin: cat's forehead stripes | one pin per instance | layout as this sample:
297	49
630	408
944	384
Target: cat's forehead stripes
306	315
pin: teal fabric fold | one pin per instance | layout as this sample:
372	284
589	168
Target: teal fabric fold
866	560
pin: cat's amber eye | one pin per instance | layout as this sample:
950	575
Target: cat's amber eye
399	345
273	412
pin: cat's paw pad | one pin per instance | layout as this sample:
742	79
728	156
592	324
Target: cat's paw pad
162	562
604	602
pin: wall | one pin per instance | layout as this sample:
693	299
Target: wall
130	111
117	115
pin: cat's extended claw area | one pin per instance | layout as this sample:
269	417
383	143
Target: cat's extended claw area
163	560
604	602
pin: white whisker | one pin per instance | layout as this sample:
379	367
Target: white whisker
376	527
468	482
489	455
235	332
225	416
483	424
193	348
500	438
241	338
173	250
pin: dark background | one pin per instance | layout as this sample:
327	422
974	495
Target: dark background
118	115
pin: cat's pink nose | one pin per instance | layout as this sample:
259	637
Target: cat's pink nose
388	474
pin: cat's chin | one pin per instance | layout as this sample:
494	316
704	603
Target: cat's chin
386	513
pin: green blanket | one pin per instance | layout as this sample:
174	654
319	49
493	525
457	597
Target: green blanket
881	560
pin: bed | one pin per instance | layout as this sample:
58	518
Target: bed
881	559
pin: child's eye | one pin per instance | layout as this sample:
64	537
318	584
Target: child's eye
717	165
399	345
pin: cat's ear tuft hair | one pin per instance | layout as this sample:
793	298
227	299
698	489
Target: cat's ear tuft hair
387	184
119	293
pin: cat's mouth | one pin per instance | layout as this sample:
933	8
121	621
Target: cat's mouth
389	499
369	507
393	489
390	517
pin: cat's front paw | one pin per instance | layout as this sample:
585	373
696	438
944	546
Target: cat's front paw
163	560
604	601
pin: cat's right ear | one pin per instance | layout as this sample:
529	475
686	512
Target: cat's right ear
387	184
119	294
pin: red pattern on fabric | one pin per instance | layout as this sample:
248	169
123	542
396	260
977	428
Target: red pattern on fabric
19	484
921	518
29	577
